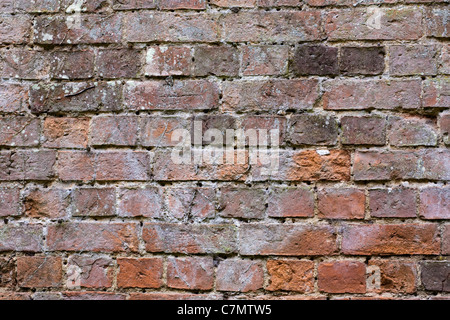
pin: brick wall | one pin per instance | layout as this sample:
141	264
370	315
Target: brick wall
92	205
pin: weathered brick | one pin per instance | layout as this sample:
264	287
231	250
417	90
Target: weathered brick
92	29
435	203
91	236
264	60
144	202
9	202
239	275
216	61
14	296
371	94
65	132
365	130
72	65
287	240
114	130
337	203
123	165
93	202
361	60
437	22
172	296
21	237
435	275
191	273
70	6
413	60
429	164
362	24
119	63
391	239
243	203
234	3
16	6
411	132
13	97
269	95
279	3
436	93
92	295
342	277
446	240
140	273
444	124
15	29
7	272
182	4
191	203
25	64
189	238
396	276
76	165
134	4
168	61
89	271
19	131
202	124
445	60
39	272
268	123
46	203
290	202
315	60
182	95
313	129
392	203
172	27
27	165
159	131
260	26
75	97
291	275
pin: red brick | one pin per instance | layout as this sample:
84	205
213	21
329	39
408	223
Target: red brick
434	275
92	295
315	60
411	132
218	123
261	26
191	273
15	29
239	275
189	238
342	277
172	27
183	95
90	271
63	29
445	60
66	132
168	61
76	165
84	5
243	203
182	4
396	276
93	202
76	97
91	236
123	165
436	93
435	203
290	202
134	4
362	60
46	203
172	296
446	240
190	203
371	94
391	239
19	131
114	130
269	95
413	60
366	130
17	6
291	275
9	202
67	65
267	123
13	97
234	3
444	124
437	22
279	3
27	165
158	131
7	272
341	203
392	203
287	239
140	273
21	237
143	202
119	63
218	61
355	24
313	129
39	272
406	165
24	64
264	60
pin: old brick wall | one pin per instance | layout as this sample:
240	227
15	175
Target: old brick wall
92	206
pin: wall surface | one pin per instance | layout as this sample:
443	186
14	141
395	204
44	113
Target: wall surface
354	202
